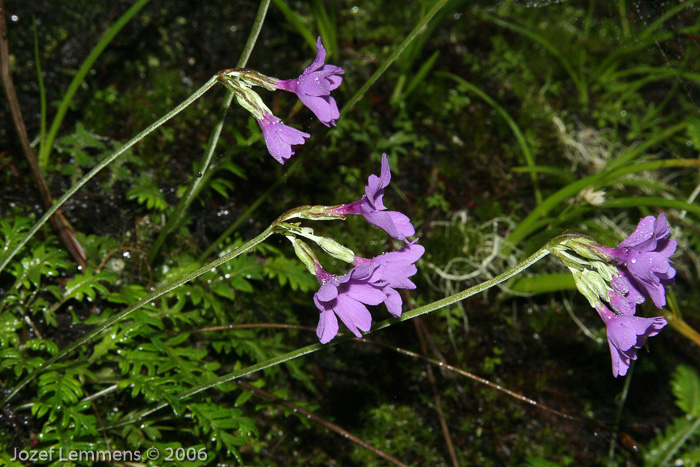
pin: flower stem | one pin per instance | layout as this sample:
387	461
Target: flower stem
149	298
195	186
420	27
507	274
197	94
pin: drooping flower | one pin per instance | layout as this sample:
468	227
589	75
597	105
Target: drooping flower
625	334
395	269
345	297
314	87
394	223
371	282
279	137
644	261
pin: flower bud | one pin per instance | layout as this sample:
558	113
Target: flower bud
304	253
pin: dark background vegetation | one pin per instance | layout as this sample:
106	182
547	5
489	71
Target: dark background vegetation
457	167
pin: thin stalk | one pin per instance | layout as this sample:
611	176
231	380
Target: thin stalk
522	142
529	224
618	416
177	216
507	274
149	298
105	163
394	55
109	35
624	23
42	89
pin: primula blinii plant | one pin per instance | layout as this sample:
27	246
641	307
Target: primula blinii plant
616	280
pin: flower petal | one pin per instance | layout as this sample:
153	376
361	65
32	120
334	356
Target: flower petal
353	314
327	327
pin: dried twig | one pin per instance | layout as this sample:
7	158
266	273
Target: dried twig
322	421
60	223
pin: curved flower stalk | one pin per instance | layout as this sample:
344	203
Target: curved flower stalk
644	261
371	206
314	86
371	282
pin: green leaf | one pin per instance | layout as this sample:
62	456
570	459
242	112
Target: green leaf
665	446
42	345
292	272
88	284
227	427
147	193
45	261
686	388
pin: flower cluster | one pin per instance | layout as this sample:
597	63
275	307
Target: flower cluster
372	281
313	88
641	268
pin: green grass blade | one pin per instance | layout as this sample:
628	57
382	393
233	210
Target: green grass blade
176	218
109	35
628	156
544	283
575	77
522	142
651	201
296	22
326	27
42	89
419	29
529	224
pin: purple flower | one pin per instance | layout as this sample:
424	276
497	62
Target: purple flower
345	297
280	137
314	87
394	223
370	282
393	273
625	334
643	261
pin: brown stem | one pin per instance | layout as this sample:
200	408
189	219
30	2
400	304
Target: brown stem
60	223
420	330
322	421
